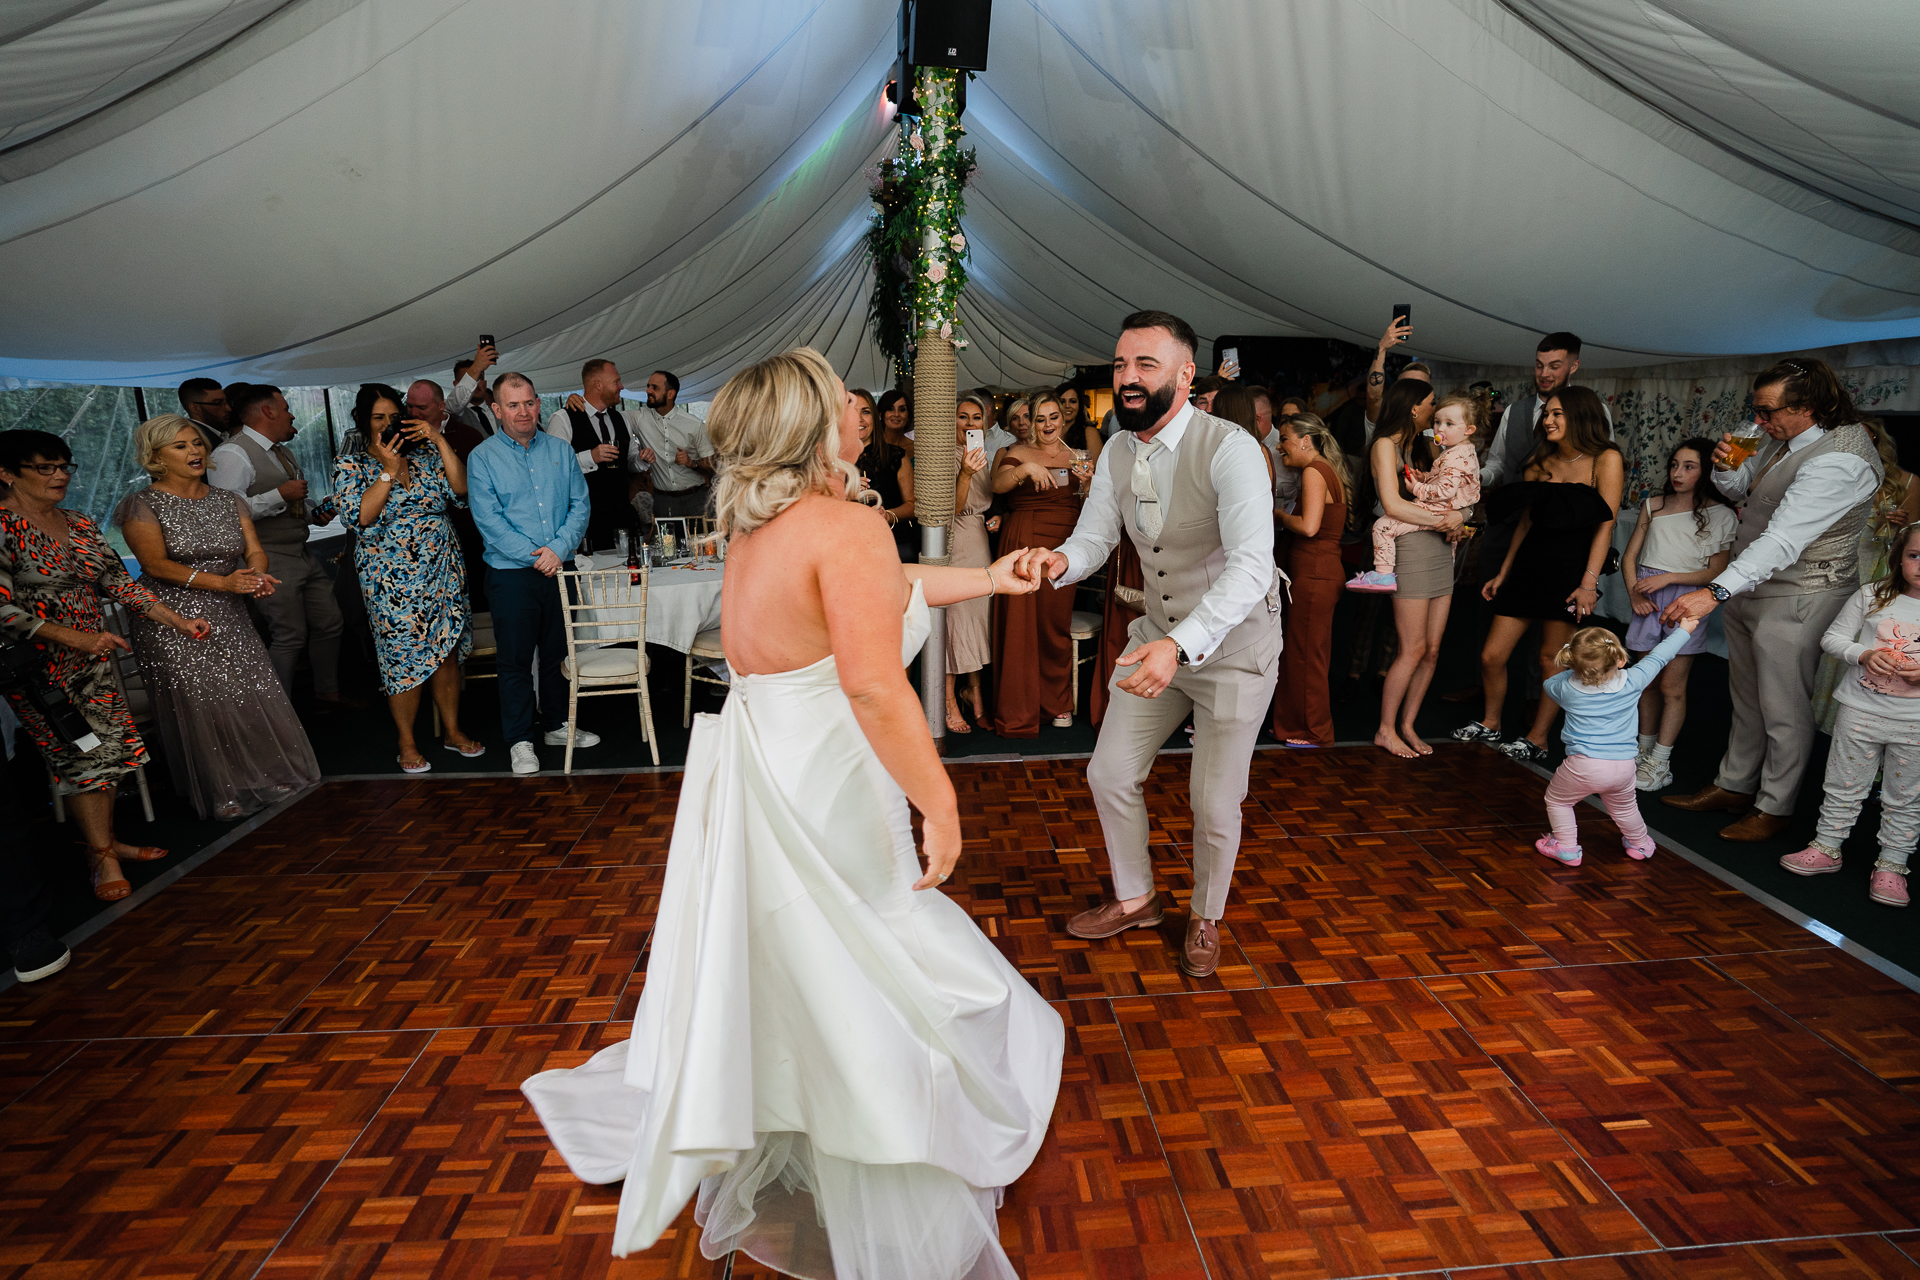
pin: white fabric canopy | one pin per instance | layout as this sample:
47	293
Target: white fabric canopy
324	191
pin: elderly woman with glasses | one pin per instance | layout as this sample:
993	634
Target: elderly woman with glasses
54	567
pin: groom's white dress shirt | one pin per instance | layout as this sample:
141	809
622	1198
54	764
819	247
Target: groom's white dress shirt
1245	508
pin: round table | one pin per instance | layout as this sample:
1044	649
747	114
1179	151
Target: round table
683	599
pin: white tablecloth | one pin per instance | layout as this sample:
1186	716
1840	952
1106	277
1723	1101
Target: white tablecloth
682	600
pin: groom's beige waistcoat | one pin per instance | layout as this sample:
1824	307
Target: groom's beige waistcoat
1180	565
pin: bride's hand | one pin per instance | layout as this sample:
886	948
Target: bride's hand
1012	575
941	843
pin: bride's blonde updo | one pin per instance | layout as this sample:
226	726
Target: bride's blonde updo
776	428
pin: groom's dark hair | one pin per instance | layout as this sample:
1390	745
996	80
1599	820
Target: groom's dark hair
1182	331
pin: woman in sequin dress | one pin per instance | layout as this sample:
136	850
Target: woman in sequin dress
397	495
233	742
54	567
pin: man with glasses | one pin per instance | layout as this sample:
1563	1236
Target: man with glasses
205	401
1804	499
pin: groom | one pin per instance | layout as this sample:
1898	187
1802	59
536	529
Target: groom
1191	491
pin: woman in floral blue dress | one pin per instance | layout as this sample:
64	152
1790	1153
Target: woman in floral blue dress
397	495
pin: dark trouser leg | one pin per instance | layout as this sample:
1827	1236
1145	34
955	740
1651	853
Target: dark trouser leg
515	594
552	641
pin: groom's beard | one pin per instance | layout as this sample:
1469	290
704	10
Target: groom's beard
1143	418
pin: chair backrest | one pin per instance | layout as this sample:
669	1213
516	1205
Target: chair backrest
603	606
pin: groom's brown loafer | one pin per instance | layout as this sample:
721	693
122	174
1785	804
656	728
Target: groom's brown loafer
1201	954
1109	918
1711	800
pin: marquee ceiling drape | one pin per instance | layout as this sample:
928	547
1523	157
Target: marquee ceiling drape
324	191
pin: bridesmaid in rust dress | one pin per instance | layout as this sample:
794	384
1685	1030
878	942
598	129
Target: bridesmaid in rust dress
1032	650
1303	712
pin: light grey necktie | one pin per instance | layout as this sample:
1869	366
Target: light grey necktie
1151	519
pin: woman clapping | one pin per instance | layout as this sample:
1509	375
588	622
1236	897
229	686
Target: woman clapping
233	741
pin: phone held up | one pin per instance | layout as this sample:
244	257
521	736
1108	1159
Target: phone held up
977	439
486	340
1403	311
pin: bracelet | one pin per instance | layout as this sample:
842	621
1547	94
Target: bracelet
192	576
993	588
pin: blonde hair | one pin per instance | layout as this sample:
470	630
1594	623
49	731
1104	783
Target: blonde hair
1312	426
153	435
776	426
1593	655
1476	408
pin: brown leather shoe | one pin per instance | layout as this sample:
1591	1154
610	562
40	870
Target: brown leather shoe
1755	827
1711	799
1109	918
1200	956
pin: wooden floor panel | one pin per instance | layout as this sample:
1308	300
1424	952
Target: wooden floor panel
1427	1051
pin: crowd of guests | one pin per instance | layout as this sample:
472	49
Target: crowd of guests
461	501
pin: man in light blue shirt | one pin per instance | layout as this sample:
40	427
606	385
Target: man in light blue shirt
530	503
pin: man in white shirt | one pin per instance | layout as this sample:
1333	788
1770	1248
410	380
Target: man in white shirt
682	456
1286	482
607	443
301	613
1191	491
470	402
1804	499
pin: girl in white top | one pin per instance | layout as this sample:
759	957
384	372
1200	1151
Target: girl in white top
1878	730
1684	538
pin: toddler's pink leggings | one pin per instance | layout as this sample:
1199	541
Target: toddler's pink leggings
1611	780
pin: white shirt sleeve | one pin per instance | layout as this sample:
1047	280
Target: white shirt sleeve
1098	531
637	443
560	427
1842	637
1831	483
232	470
462	395
1245	507
1490	473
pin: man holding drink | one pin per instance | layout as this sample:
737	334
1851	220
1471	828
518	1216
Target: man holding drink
1802	477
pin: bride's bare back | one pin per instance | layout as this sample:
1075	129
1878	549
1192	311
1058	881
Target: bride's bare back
820	578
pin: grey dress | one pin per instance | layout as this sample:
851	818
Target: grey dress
233	742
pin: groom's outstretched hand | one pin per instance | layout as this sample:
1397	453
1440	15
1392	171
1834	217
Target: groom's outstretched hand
1157	662
1042	565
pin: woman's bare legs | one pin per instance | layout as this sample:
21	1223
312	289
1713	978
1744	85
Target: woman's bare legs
1502	635
1412	670
1649	705
444	684
93	813
1436	626
1553	635
1672	686
956	723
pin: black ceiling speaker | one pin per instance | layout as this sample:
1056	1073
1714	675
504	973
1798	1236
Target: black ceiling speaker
949	33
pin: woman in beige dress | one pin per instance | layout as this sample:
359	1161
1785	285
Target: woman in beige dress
969	624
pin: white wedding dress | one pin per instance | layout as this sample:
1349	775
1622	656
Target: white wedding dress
847	1071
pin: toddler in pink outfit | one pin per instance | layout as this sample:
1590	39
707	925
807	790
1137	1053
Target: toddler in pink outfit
1452	485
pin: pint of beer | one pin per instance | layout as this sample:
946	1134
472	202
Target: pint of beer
1745	443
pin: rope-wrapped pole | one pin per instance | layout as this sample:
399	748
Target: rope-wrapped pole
936	468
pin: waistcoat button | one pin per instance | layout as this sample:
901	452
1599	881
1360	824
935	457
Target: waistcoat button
1161	572
1166	597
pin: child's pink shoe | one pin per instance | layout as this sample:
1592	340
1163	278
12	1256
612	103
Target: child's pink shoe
1888	888
1373	581
1549	847
1641	853
1812	862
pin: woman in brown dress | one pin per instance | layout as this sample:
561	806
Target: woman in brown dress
1303	712
1032	650
54	567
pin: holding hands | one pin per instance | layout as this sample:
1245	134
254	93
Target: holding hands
1013	574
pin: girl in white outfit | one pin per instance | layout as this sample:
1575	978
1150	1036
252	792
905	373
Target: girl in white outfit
1878	730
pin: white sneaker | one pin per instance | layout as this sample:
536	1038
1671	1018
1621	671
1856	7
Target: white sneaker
1653	775
525	758
581	737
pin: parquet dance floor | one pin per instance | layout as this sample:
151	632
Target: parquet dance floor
1427	1050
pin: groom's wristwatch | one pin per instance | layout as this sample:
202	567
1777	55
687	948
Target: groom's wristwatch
1179	654
1719	592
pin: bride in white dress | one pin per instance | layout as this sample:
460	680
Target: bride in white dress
828	1050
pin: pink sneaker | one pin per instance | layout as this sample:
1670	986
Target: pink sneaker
1888	888
1373	581
1641	853
1547	846
1812	862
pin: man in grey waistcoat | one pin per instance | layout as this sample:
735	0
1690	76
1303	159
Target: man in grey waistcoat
301	614
1804	499
1191	491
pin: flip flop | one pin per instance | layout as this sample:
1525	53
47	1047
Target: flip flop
424	766
479	749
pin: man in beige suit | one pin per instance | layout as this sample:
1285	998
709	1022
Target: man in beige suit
1804	499
1191	491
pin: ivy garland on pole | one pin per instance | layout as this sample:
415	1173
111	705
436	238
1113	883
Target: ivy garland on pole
918	251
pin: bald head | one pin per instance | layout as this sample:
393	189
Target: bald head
427	402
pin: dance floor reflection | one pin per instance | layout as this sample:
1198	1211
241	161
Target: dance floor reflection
1426	1050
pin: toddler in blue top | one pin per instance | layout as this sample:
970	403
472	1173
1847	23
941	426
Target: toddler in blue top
1601	695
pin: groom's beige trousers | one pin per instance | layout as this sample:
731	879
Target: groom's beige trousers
1229	698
